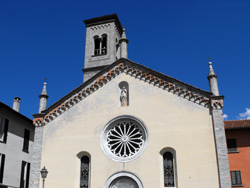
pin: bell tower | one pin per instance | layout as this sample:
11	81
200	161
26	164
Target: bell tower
102	46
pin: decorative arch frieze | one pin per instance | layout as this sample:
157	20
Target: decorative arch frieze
38	122
100	26
217	104
137	74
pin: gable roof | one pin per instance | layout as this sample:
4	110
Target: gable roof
2	105
237	124
135	70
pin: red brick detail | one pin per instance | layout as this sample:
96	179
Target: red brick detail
138	74
217	104
38	121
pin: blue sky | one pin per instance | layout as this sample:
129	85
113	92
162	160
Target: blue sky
41	39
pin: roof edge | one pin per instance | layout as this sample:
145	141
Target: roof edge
104	19
131	63
14	111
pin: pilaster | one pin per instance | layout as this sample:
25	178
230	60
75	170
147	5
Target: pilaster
220	141
37	152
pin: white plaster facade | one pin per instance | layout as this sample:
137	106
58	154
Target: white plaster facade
171	122
178	118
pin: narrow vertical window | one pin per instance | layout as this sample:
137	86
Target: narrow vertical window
25	173
231	145
26	140
84	176
3	129
97	45
236	178
104	44
2	160
168	166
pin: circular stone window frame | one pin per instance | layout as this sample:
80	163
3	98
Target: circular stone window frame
120	175
111	124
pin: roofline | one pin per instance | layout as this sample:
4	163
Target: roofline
14	111
237	120
174	80
238	127
148	70
104	19
233	128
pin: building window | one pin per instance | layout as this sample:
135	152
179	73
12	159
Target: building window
104	44
26	140
3	129
168	169
100	45
124	138
2	160
25	174
231	145
236	178
97	45
84	174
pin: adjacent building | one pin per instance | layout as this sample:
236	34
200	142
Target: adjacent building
16	146
238	144
129	126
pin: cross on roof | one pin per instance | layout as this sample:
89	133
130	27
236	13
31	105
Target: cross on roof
209	58
45	79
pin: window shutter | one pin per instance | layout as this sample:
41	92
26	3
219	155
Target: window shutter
2	167
6	130
2	123
233	178
27	175
26	140
238	178
22	175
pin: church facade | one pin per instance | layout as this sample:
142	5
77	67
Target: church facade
128	126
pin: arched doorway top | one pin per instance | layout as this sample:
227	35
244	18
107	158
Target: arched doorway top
123	179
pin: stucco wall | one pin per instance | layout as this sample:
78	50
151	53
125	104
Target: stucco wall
240	160
171	122
12	149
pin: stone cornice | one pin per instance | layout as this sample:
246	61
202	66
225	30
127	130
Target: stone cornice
110	73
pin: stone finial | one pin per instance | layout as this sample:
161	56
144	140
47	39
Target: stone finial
212	78
43	98
124	34
44	91
124	44
16	103
211	70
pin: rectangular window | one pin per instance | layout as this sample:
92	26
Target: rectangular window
231	145
26	140
236	178
25	174
2	160
3	129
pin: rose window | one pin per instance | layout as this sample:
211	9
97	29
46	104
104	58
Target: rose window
124	138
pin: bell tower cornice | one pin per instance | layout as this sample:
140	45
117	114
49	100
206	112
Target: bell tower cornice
103	20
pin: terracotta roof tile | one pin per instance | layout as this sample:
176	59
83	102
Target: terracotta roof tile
237	124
